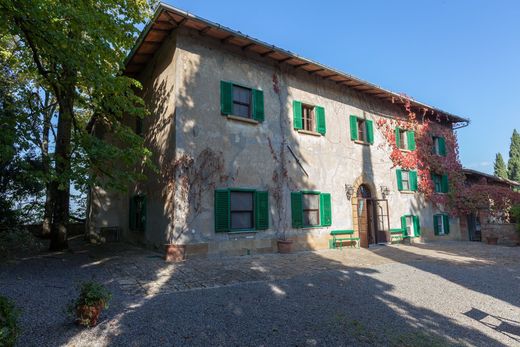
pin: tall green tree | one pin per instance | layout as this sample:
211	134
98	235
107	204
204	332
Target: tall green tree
77	49
500	166
513	165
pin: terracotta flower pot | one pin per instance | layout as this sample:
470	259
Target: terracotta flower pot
492	240
175	253
88	315
284	246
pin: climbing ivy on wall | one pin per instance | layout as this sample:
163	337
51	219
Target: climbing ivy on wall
461	198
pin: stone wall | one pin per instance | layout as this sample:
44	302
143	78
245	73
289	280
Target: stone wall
506	233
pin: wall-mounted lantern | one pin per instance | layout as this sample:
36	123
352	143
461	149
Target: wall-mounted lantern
349	190
385	191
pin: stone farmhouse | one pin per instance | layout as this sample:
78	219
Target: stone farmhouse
254	143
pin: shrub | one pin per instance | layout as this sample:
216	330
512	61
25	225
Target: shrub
9	329
17	239
515	213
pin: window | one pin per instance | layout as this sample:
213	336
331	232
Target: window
311	209
137	213
410	226
401	139
309	118
241	209
406	180
361	130
439	146
240	101
441	224
440	183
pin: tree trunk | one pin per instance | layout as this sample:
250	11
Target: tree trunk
61	186
47	211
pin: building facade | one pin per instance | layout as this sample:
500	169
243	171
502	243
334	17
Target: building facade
254	144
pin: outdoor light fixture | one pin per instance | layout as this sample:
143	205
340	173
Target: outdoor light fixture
385	191
349	190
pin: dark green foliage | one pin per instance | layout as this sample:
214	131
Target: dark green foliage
513	165
9	329
500	166
92	294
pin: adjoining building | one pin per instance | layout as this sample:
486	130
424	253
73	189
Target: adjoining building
254	143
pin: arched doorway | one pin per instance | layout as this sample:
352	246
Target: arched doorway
370	216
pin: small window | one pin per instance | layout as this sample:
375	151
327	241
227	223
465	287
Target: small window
439	146
410	226
405	178
361	126
437	181
403	139
308	118
441	224
242	101
138	213
241	210
311	210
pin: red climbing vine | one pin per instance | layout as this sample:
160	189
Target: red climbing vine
461	198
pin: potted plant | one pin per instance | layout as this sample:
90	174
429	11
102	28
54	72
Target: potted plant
283	244
175	253
93	298
515	215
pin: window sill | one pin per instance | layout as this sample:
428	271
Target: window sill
308	132
245	231
405	150
242	119
407	192
314	227
362	142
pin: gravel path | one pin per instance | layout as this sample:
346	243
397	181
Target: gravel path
439	294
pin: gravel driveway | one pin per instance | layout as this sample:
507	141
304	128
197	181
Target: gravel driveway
452	293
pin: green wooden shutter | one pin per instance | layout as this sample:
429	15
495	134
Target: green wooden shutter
261	210
370	131
399	179
403	225
226	97
444	184
412	176
435	224
258	105
325	209
222	210
142	222
297	209
397	137
442	146
132	214
411	140
446	222
416	226
320	120
353	128
297	115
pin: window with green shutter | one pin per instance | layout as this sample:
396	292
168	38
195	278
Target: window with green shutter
439	146
441	224
406	180
440	183
410	136
405	139
309	117
361	130
137	213
410	225
241	210
240	101
311	209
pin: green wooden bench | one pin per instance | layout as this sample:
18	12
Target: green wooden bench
342	236
397	235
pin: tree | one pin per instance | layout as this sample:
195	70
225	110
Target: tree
500	166
77	51
513	165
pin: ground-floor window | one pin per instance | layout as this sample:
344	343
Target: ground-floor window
441	224
137	213
410	226
311	209
239	209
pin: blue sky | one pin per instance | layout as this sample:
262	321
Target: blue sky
462	56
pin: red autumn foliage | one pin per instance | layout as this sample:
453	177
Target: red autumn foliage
462	198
